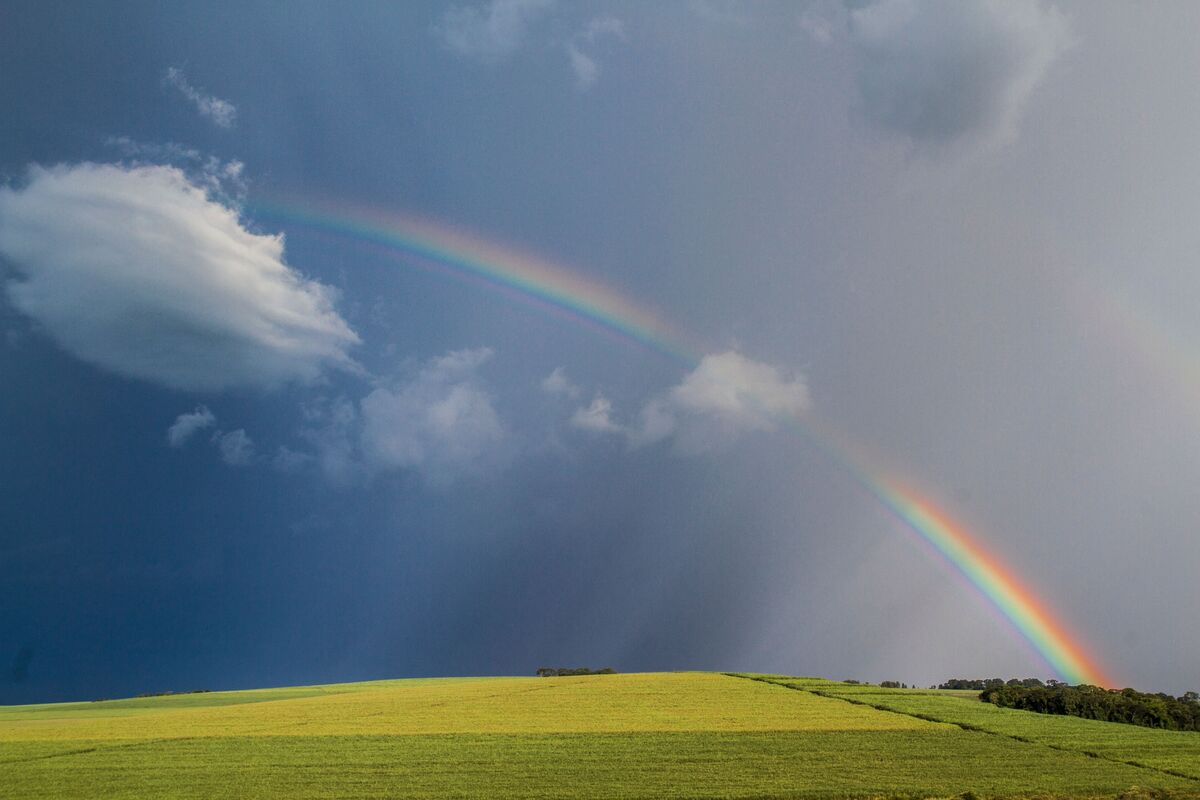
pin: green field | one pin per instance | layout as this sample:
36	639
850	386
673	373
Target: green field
639	735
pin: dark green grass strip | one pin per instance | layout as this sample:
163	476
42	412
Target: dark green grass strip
777	764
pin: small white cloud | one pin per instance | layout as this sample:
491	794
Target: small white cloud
586	70
288	460
223	179
221	112
557	383
735	387
938	72
334	432
820	20
727	395
237	449
583	64
186	425
597	417
440	423
156	152
599	27
492	31
658	420
135	269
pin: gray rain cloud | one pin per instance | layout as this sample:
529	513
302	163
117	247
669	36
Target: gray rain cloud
938	72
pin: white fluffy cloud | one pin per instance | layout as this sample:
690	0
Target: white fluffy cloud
222	112
188	424
236	447
938	72
440	423
597	417
138	271
726	396
557	383
491	31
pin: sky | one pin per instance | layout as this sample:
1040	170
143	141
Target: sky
387	340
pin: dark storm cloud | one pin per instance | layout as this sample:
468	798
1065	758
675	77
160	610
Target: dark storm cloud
720	175
19	671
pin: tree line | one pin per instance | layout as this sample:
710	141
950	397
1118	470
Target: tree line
979	684
559	672
1093	702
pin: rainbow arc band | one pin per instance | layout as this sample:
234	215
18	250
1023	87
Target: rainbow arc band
559	291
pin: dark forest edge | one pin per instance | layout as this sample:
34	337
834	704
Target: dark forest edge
1093	702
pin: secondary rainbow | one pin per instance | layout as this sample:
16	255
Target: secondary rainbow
555	289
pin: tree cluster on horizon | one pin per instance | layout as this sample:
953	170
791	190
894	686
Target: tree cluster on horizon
1111	705
559	672
980	684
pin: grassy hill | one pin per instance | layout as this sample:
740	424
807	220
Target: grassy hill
641	735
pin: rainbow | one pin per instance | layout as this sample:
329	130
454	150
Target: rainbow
532	280
459	255
955	547
1029	615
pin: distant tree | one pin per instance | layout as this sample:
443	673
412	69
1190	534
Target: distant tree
890	684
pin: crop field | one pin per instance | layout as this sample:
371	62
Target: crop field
1175	752
702	735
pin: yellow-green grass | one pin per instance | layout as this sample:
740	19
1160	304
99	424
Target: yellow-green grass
642	735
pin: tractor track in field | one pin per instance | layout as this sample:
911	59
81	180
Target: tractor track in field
98	748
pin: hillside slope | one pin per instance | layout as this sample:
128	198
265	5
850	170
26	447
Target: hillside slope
640	735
